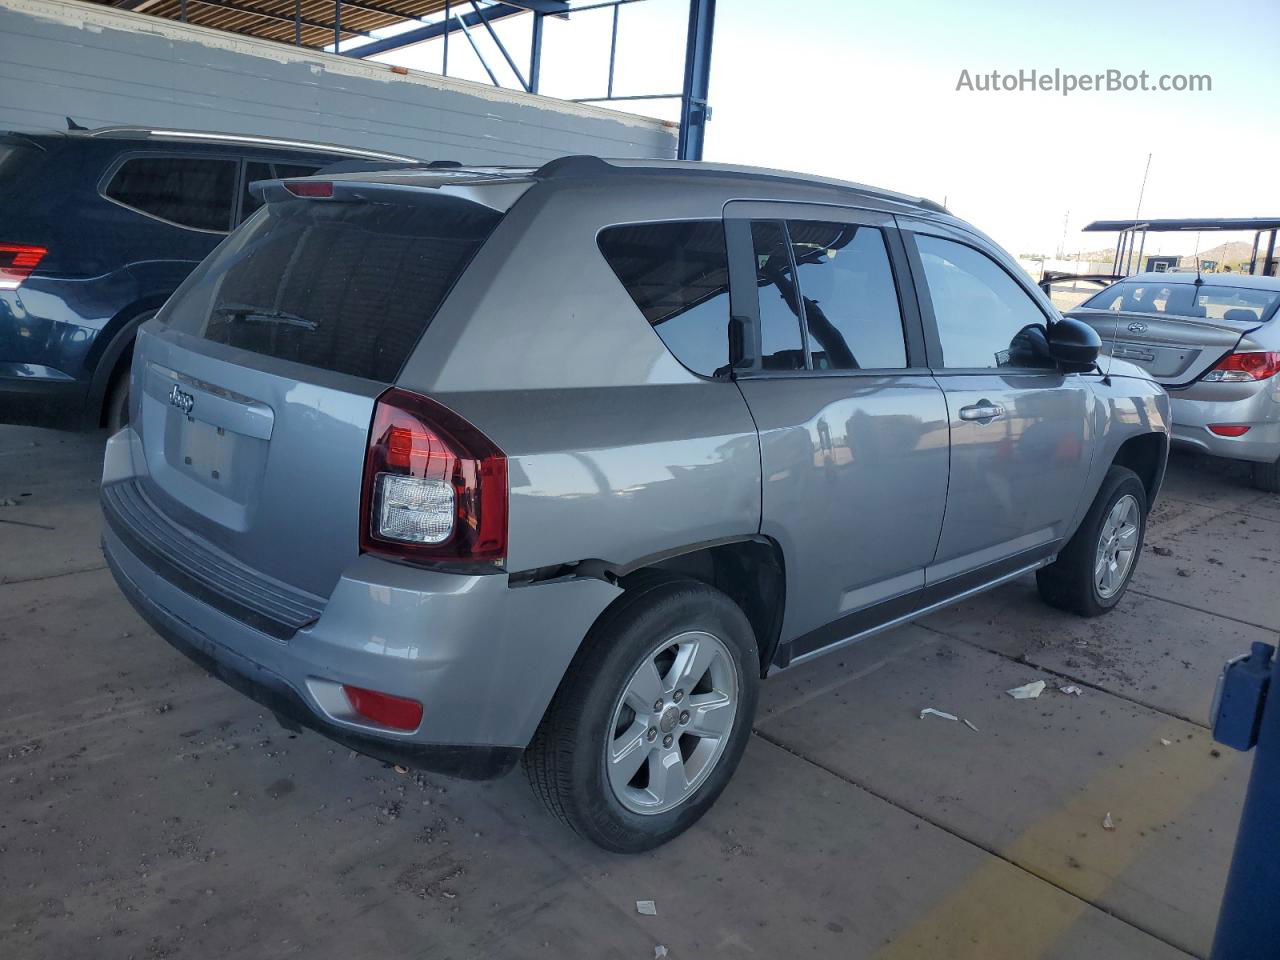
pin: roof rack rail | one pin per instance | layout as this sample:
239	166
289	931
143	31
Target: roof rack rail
577	165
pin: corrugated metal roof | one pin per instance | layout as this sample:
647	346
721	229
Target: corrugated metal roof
274	19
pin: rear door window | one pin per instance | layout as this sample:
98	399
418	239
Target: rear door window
196	192
347	287
781	346
850	301
677	273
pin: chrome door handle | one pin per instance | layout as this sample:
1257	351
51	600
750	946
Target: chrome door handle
984	411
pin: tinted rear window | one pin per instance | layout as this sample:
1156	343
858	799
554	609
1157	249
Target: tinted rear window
189	191
1209	301
347	287
11	156
678	275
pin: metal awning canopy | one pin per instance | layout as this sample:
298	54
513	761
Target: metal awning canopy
1203	224
1131	230
347	27
318	23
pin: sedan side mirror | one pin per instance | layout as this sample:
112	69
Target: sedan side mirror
1074	345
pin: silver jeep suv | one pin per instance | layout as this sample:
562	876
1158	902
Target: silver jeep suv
463	466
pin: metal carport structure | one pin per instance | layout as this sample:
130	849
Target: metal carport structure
1135	232
334	25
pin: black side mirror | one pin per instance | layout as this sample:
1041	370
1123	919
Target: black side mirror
1074	345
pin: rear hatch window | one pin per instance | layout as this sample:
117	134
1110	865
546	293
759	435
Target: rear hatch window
345	287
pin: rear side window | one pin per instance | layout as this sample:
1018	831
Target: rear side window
189	191
347	287
678	275
850	301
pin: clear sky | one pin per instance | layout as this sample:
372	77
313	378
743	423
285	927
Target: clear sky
867	92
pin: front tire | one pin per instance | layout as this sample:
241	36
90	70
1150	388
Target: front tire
1093	571
651	719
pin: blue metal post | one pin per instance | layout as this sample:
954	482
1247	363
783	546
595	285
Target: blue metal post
1249	922
535	53
694	111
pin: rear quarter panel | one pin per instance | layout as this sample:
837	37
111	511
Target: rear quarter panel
616	451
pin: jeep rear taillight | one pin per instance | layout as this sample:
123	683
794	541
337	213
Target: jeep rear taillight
17	263
435	488
1245	366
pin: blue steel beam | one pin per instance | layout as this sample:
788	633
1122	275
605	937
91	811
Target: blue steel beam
694	111
432	30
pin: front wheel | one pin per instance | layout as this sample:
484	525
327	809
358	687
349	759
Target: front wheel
1093	571
652	718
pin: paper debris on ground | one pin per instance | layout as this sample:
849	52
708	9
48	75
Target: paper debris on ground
1027	691
659	951
969	724
929	711
1107	822
647	907
1167	743
1071	690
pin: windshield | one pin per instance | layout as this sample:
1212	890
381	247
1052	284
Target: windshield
347	287
1186	300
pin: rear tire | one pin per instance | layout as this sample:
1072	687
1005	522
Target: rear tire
1266	476
638	695
116	405
1093	571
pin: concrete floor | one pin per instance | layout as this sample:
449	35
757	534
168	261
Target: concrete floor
148	811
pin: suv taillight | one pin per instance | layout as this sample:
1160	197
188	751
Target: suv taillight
17	263
1242	367
435	487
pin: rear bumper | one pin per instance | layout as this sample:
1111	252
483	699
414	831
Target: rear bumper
272	691
1260	412
482	657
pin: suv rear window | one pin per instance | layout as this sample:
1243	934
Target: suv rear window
678	275
347	287
189	191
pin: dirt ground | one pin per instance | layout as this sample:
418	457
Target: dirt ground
148	811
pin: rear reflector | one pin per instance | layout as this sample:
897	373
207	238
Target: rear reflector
1228	429
435	487
16	264
396	713
309	188
1243	367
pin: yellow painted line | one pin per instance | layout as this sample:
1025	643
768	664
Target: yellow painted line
999	913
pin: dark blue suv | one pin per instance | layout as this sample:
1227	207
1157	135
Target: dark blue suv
98	228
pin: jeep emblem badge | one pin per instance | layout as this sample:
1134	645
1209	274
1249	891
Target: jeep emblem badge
181	399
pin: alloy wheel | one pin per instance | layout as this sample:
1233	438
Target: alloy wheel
1117	546
672	722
